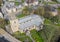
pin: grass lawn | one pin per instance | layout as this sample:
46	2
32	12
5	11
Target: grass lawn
47	21
17	3
2	23
36	36
58	8
50	2
22	37
21	15
57	24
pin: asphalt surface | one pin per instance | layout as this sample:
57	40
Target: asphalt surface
8	36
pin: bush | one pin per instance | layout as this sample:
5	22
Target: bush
21	36
36	36
2	23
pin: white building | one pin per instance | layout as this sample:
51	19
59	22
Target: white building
30	22
25	24
10	8
1	16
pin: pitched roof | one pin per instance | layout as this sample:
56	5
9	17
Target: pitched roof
30	21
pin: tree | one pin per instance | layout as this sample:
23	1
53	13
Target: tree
55	19
41	1
22	1
2	23
1	2
54	0
26	10
39	11
48	13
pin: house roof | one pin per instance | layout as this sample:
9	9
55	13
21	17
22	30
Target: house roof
30	21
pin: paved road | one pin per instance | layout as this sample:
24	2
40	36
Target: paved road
28	34
8	36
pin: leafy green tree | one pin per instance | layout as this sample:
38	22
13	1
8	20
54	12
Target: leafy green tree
55	19
22	1
2	23
27	10
48	13
54	0
0	2
39	11
41	1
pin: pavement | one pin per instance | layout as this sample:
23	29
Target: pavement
28	34
8	36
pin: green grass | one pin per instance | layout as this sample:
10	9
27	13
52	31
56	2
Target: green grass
17	3
7	22
47	32
50	3
21	15
21	36
36	36
57	24
2	23
47	21
58	8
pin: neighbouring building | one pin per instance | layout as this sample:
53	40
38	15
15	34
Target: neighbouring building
10	8
54	11
31	2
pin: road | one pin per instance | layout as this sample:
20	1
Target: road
28	34
8	36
